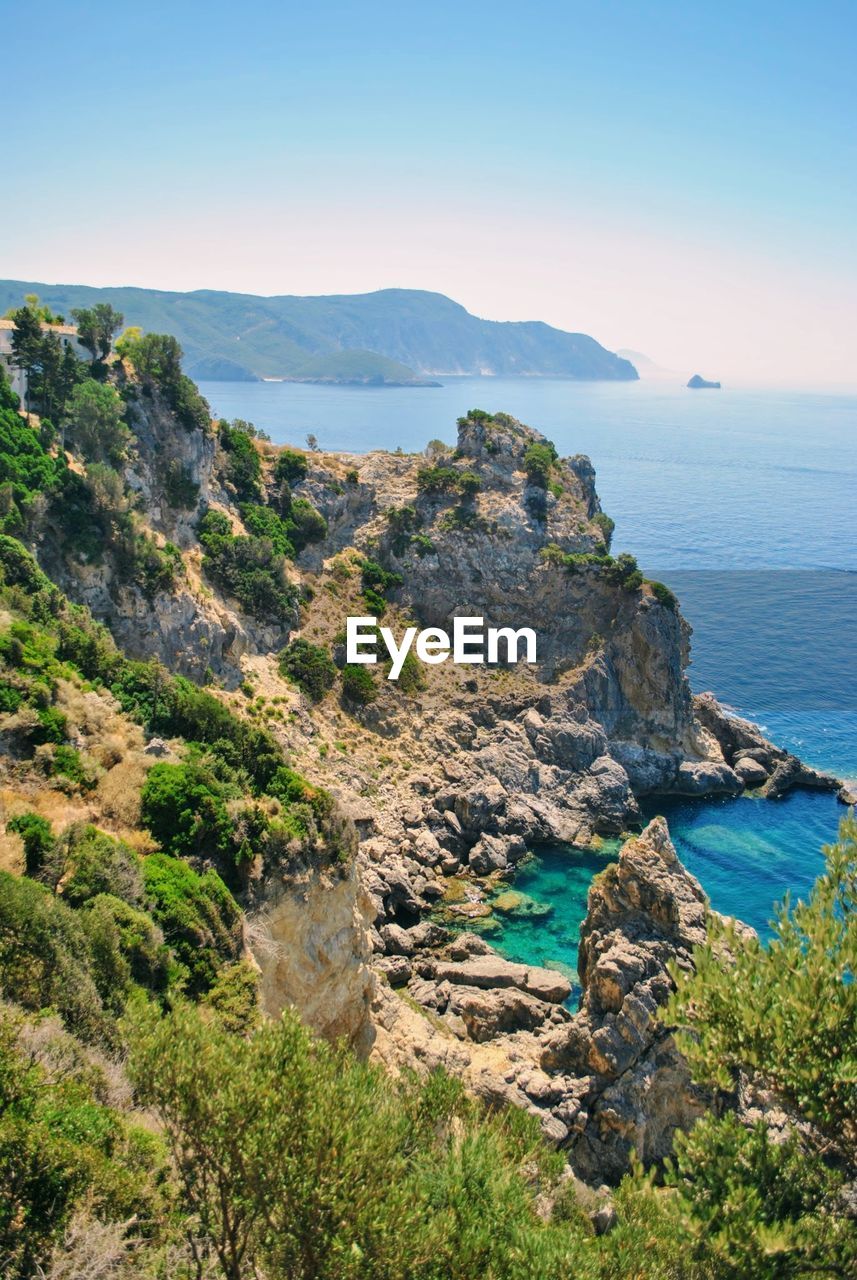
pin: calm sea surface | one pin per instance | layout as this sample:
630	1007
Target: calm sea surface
745	502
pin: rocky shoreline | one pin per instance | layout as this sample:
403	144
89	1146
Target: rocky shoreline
450	783
605	1081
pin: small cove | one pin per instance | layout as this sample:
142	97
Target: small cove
745	851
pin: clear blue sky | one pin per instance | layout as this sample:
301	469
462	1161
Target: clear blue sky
680	178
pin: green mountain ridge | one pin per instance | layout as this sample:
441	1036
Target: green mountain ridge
234	336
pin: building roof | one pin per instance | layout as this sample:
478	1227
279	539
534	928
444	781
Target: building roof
69	329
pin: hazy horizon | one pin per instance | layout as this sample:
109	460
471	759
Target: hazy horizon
680	181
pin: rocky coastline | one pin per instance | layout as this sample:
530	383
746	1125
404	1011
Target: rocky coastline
450	783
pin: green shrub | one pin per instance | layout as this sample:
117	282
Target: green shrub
376	583
437	479
67	762
96	426
95	863
462	519
538	461
623	572
606	525
307	524
242	463
265	523
788	1010
26	468
422	544
157	358
304	1162
45	958
234	996
127	946
62	1150
357	685
151	567
553	554
199	917
290	466
310	667
37	837
412	678
248	568
664	596
183	807
180	489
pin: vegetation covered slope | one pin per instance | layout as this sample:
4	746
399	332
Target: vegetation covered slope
229	335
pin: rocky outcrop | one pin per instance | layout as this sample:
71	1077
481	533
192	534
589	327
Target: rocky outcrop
758	763
309	936
645	911
172	477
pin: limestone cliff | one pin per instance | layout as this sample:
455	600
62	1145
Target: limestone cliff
309	936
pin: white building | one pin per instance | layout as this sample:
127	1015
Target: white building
18	377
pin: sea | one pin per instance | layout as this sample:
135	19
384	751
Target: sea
744	501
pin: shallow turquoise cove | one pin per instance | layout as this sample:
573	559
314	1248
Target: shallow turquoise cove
746	852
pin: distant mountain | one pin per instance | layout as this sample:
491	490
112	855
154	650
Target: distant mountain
647	368
341	338
698	383
637	358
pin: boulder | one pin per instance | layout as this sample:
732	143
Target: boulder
396	968
706	778
489	1013
493	971
751	772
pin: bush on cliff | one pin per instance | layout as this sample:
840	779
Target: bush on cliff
310	666
157	358
299	1161
96	423
184	808
199	917
606	525
37	837
290	466
539	459
242	465
357	685
663	595
62	1148
248	568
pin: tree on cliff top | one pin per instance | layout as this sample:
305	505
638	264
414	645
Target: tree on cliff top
96	327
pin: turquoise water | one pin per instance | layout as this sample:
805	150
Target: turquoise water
744	501
745	851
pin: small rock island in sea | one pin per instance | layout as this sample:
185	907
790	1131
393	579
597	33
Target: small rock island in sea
698	383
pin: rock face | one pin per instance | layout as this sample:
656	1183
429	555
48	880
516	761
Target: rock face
191	629
644	911
310	939
757	762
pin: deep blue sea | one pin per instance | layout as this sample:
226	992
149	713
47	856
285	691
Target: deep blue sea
745	502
